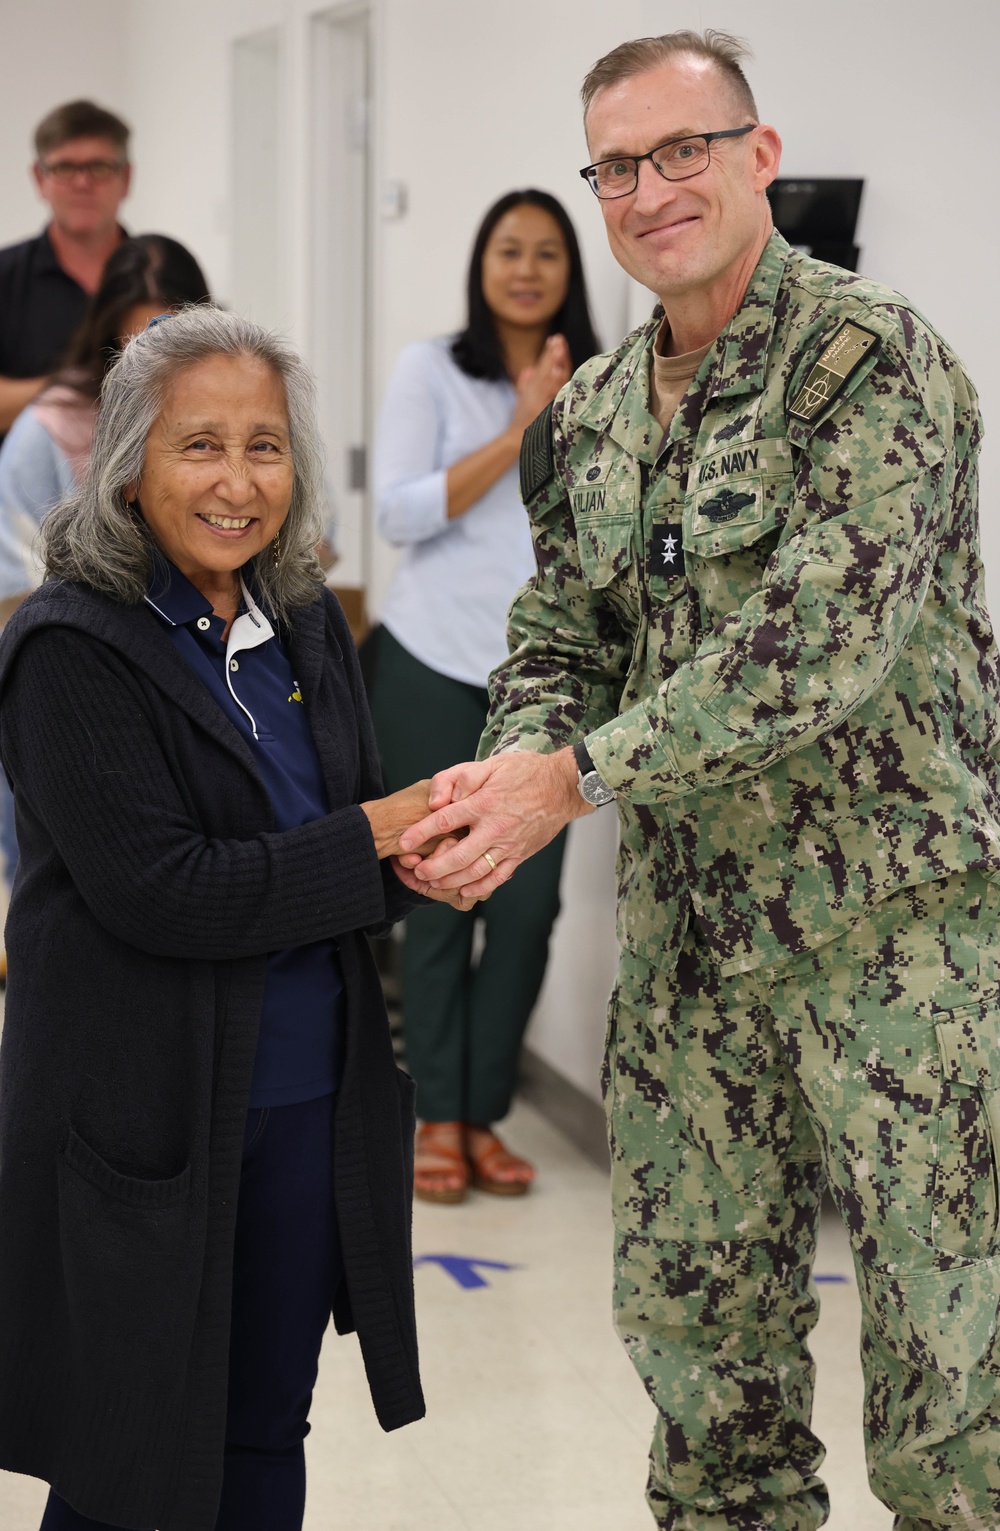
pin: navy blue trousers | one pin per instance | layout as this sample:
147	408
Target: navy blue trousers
286	1269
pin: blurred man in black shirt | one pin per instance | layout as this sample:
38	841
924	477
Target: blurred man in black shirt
82	171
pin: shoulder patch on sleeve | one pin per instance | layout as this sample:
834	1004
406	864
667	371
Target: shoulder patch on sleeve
841	358
538	462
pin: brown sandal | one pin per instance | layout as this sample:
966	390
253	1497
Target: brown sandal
490	1158
439	1147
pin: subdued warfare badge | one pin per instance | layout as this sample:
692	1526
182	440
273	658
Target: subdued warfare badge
666	553
726	506
838	364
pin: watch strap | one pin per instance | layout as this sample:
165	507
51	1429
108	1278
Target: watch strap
584	764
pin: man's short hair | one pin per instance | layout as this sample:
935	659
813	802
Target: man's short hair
720	48
80	119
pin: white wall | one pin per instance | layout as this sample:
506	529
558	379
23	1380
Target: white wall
52	51
474	97
181	105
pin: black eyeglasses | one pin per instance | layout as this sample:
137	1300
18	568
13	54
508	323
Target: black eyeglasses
676	160
64	170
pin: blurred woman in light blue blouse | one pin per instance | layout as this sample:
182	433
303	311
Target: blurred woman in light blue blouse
446	493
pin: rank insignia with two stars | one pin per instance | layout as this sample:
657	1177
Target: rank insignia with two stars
666	554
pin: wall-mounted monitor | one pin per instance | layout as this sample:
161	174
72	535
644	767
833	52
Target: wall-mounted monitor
818	215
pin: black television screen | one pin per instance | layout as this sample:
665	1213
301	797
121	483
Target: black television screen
819	209
819	215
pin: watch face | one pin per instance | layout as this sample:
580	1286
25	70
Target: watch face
595	791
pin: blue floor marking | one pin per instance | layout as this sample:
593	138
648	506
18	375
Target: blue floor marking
462	1268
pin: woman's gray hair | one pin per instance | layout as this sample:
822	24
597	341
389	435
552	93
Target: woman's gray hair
96	539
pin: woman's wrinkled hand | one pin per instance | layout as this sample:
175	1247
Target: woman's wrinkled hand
452	896
392	815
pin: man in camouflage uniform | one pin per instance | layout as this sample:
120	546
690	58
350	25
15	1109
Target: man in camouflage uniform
765	625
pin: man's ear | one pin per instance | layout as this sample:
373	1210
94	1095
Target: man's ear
767	156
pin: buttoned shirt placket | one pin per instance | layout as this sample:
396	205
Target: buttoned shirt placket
250	629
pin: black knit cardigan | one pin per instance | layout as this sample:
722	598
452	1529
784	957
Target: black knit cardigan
152	884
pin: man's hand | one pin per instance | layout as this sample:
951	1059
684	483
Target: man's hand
511	805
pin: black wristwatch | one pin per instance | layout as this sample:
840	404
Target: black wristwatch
589	785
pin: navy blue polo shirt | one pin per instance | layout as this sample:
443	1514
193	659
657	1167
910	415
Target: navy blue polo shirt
250	676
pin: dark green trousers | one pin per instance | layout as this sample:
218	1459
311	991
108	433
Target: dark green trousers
463	1020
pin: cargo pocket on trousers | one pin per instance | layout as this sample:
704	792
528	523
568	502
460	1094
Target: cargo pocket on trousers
132	1256
941	1321
965	1201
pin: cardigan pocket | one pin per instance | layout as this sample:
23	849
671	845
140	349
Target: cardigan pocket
132	1255
133	1190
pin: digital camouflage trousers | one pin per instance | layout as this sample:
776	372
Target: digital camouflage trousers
872	1067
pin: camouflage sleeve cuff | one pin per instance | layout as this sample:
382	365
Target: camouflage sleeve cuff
538	744
635	761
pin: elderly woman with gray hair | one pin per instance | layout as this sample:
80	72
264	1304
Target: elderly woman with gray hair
205	1146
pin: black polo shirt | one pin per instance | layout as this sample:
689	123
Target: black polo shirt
41	308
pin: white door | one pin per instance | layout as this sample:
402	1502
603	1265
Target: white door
340	287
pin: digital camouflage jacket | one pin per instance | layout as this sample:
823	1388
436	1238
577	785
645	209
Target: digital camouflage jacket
769	625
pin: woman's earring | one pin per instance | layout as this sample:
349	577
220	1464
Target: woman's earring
276	548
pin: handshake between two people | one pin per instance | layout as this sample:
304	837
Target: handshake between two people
458	837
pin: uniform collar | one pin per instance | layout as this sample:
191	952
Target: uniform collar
736	365
740	359
620	405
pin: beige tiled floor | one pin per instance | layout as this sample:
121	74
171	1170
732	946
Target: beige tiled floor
535	1419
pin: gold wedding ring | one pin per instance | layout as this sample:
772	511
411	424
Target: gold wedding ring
488	858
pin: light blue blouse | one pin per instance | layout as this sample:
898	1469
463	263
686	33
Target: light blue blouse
448	601
35	475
